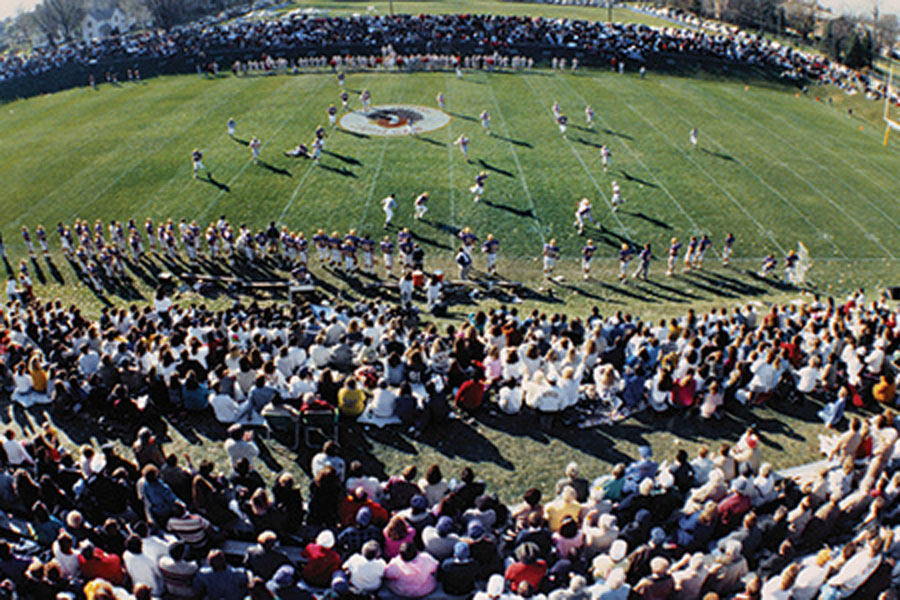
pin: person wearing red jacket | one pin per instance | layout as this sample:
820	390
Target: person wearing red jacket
95	563
321	561
351	503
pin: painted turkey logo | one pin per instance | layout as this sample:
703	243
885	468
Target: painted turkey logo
394	120
394	117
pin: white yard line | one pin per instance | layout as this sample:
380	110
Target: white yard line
622	228
639	160
818	164
145	155
88	170
290	116
771	188
365	213
537	224
309	171
712	179
450	162
290	202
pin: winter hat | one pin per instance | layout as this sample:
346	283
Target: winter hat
418	502
475	529
444	526
618	549
657	535
284	576
325	539
461	551
364	516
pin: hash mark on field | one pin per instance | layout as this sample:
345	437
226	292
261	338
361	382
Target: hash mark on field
715	182
515	156
637	155
772	189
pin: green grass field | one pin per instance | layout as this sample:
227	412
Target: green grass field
775	167
473	7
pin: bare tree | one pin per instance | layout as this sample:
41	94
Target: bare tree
165	13
65	15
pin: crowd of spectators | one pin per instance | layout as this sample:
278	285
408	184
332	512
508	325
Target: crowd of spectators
720	523
297	36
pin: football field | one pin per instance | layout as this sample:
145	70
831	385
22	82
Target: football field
773	166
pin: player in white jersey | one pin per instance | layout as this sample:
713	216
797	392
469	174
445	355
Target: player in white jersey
617	199
556	109
695	137
589	116
485	121
440	100
421	206
231	127
478	188
388	204
582	214
365	97
604	157
317	149
332	115
463	143
254	148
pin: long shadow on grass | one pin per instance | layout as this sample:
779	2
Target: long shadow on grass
343	158
513	141
629	293
429	140
630	177
727	157
673	290
429	241
9	269
699	282
210	180
240	141
361	136
587	294
735	285
451	229
54	272
511	209
490	167
274	169
38	271
463	117
525	424
641	215
775	283
618	134
581	140
457	439
339	170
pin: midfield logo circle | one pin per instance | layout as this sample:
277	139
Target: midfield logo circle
394	120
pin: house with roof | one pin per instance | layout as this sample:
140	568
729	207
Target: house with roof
104	22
